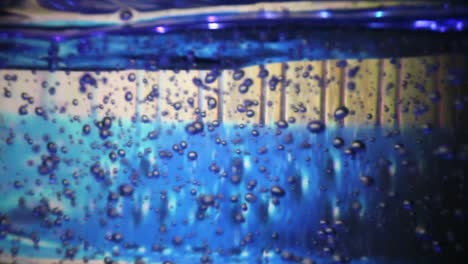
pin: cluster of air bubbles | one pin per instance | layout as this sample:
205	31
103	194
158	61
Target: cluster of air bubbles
194	128
245	86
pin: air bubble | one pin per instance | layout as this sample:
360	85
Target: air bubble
238	74
250	113
126	190
194	128
192	155
212	103
126	15
131	77
210	78
282	124
277	191
358	145
341	112
316	127
338	142
128	96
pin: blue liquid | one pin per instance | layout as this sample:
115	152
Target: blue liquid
319	180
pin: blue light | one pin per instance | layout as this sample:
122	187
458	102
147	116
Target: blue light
422	23
378	14
324	14
213	25
270	15
425	24
160	29
460	25
211	19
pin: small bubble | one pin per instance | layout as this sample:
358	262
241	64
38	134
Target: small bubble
210	77
177	240
131	77
338	142
145	119
282	124
243	88
207	200
435	96
177	106
116	237
353	71
341	63
255	133
39	111
277	191
316	126
121	153
366	180
444	151
87	79
128	96
113	156
263	73
341	112
18	184
238	74
408	205
192	155
126	15
126	190
249	197
52	147
239	218
212	103
197	82
427	128
23	110
194	128
358	145
86	129
240	108
6	93
250	113
106	122
105	133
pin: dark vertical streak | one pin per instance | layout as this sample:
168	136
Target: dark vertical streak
283	93
399	66
158	99
263	84
200	105
341	101
380	92
323	94
220	96
439	107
